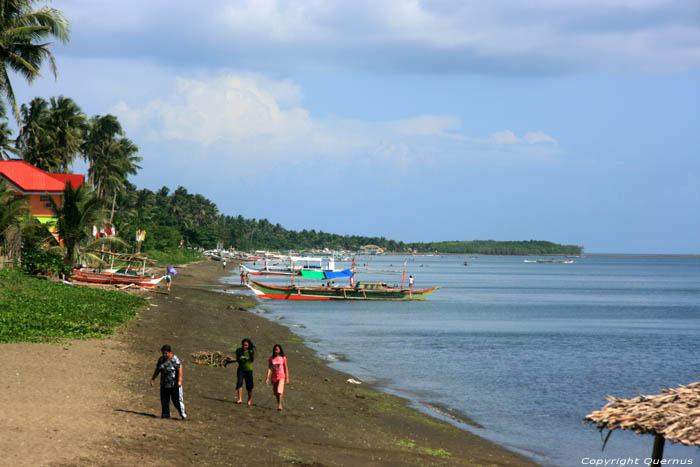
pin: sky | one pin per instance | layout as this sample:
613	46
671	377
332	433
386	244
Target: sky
573	121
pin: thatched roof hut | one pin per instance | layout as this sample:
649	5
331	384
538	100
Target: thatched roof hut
673	415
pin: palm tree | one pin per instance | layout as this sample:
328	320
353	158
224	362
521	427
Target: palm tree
13	211
102	130
51	133
67	124
23	32
113	162
79	211
35	140
125	164
6	148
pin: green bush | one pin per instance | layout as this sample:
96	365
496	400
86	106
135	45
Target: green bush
35	310
43	262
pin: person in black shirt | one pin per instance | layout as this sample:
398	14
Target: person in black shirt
170	369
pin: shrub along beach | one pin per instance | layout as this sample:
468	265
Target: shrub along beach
35	310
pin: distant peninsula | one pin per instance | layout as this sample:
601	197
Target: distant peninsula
179	216
493	247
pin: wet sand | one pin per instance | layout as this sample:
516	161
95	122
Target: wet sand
108	412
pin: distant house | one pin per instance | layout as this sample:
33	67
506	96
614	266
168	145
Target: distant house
39	186
371	250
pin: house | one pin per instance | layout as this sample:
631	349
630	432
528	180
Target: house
39	186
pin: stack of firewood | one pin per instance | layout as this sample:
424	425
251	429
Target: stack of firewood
205	357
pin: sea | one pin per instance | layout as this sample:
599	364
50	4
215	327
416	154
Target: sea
519	353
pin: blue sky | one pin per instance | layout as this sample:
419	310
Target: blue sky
574	121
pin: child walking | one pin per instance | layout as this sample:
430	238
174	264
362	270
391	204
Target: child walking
245	355
170	370
278	373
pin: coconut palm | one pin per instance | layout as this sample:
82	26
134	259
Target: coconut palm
114	162
102	130
35	140
51	133
67	124
80	209
112	157
23	46
6	142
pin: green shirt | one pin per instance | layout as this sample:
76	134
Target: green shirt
245	361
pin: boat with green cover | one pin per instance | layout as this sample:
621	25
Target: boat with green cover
363	291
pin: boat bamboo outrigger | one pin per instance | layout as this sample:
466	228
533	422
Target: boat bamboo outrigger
297	266
356	290
120	275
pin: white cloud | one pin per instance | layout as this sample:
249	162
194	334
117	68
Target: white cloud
507	137
229	107
534	137
425	125
246	115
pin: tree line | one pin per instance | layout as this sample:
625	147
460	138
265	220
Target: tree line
171	217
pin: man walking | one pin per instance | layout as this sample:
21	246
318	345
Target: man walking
170	369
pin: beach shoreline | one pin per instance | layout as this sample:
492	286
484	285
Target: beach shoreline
326	421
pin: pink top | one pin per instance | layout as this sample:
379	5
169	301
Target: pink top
277	367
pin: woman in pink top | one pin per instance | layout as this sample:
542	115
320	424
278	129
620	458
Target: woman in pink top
278	373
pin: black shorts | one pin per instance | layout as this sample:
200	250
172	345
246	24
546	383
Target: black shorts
247	376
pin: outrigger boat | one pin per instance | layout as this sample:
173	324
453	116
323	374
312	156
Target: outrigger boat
358	291
115	278
296	267
120	275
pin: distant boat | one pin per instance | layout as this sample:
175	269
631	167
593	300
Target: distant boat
356	291
550	261
297	266
363	291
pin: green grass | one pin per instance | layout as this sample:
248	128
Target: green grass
172	257
35	310
410	444
436	452
405	443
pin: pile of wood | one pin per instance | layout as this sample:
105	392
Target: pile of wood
205	357
674	414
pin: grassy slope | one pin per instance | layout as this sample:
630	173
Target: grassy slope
35	310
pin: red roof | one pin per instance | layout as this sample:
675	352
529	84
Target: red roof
75	180
29	178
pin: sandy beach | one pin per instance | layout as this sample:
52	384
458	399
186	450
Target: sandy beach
90	402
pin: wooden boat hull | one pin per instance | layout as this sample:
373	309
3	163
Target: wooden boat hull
112	278
335	293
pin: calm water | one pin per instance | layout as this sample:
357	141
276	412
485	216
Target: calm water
526	350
